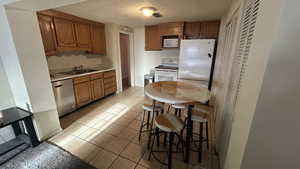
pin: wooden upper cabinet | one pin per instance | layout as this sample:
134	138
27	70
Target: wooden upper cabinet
48	34
171	28
209	29
98	39
70	33
83	35
65	33
192	29
152	38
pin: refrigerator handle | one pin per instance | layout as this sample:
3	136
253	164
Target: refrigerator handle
209	55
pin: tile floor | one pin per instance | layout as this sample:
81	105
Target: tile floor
105	134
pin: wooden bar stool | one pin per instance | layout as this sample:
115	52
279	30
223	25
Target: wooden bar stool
148	108
172	125
201	114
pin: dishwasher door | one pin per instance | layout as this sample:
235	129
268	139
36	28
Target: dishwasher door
64	96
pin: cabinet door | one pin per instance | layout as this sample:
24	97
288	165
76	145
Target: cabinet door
171	28
48	34
65	33
98	90
209	29
152	38
83	35
98	39
83	93
192	29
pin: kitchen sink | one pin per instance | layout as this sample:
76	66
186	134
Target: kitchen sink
76	72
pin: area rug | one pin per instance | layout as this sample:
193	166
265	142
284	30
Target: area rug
45	156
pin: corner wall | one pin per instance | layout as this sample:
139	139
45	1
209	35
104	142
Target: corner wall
274	137
26	68
6	101
265	30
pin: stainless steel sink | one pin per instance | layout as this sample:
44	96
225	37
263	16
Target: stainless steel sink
76	72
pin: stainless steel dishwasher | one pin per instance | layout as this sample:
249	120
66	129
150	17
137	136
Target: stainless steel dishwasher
64	96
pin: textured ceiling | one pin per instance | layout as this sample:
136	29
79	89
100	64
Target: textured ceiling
126	12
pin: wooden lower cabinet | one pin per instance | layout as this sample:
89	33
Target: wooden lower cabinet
97	88
83	94
109	81
93	87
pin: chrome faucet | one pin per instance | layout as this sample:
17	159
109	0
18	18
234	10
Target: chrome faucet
77	68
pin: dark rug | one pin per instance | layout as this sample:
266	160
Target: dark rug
45	156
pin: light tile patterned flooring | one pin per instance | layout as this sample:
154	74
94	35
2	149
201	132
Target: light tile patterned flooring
105	135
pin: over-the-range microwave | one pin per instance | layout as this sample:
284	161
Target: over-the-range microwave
170	42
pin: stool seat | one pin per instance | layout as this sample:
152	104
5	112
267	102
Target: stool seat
149	107
203	108
178	106
169	123
199	116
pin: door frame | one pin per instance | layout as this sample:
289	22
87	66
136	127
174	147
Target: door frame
131	59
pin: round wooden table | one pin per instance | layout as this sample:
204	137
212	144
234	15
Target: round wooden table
175	92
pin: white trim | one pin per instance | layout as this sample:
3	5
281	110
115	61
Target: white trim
132	59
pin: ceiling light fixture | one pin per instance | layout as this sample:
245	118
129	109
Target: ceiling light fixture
148	11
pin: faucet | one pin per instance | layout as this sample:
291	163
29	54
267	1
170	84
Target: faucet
77	68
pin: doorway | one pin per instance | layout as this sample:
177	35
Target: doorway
125	60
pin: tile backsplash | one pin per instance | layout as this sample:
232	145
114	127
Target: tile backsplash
68	60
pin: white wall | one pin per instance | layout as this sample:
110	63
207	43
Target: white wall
26	67
147	60
274	137
266	28
6	98
6	101
10	62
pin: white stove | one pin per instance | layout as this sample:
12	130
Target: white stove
166	73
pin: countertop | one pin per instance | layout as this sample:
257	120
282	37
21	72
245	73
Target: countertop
59	76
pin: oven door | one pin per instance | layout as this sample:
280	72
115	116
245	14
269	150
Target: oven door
165	75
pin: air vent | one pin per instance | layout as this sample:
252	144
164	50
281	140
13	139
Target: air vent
157	15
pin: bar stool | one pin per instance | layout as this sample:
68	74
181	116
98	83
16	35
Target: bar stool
148	108
201	114
172	125
178	109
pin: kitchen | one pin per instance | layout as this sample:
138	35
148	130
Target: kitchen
136	84
81	73
85	75
186	50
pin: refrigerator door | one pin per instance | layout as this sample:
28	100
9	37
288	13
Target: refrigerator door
195	59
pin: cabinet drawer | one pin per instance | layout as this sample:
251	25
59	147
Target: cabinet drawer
110	82
109	73
109	91
97	76
81	79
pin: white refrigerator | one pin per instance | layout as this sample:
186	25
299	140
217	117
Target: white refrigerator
195	59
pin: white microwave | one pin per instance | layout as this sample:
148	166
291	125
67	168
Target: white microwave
170	43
